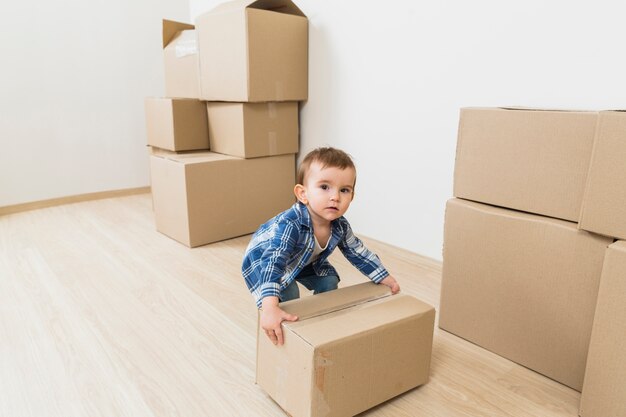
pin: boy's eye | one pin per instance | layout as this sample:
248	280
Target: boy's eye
346	190
324	187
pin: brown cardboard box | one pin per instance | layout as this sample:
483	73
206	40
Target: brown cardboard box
204	197
522	286
604	204
176	124
180	56
604	390
528	160
250	130
351	349
253	51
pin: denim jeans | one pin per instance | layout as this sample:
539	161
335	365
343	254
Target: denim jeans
311	281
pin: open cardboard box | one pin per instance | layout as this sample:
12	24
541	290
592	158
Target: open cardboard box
253	51
180	57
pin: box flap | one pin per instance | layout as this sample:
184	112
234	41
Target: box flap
171	28
316	305
278	6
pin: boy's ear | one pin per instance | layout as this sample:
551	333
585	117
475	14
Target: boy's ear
300	193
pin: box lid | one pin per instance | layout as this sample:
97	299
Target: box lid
278	6
336	315
171	28
308	307
370	315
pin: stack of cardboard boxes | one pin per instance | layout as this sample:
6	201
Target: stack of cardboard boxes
540	195
225	138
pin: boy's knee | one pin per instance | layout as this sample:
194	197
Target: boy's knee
327	283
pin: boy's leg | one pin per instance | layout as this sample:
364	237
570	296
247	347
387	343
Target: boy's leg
319	284
315	283
290	293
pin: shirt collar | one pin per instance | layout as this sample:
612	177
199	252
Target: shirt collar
304	214
307	222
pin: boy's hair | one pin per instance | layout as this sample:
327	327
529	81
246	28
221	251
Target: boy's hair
327	157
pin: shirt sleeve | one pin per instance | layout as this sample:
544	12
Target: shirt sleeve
275	260
358	255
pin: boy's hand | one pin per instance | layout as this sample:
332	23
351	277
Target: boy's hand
271	318
391	283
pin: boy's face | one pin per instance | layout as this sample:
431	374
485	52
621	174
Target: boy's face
327	191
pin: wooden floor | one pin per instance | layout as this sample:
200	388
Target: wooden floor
100	315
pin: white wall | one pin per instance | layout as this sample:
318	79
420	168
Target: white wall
386	82
73	77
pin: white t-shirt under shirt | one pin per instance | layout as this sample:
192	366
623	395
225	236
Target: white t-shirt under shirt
317	249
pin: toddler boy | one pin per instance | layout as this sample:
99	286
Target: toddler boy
294	246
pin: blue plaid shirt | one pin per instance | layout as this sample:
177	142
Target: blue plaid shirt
282	247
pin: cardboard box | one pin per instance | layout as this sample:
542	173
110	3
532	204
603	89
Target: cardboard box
351	349
204	197
522	286
253	51
250	130
604	390
180	56
176	124
604	204
528	160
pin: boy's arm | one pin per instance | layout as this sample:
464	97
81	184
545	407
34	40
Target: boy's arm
392	284
365	260
274	261
271	318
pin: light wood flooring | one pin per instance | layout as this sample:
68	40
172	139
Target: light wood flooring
100	315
